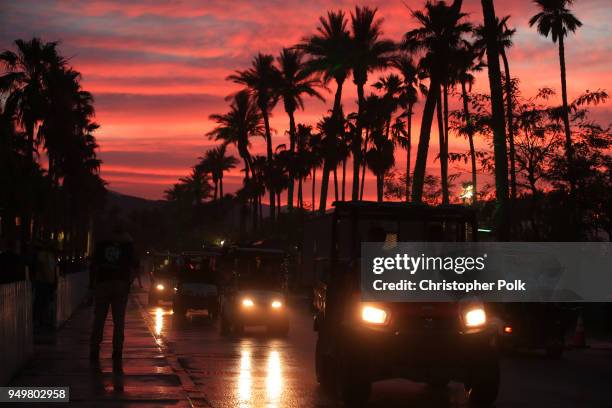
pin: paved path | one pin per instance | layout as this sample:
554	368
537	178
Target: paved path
61	359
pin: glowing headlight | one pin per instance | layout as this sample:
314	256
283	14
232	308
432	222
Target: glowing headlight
475	317
246	302
373	315
160	286
276	304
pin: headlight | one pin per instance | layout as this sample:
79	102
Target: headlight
373	315
246	302
160	286
475	317
276	304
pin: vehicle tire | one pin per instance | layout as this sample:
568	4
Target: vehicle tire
352	388
323	367
179	310
225	326
484	385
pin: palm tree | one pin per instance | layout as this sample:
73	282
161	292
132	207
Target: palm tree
301	160
262	80
407	100
497	121
315	159
504	38
440	31
24	82
236	127
468	61
556	19
329	55
368	53
295	81
216	162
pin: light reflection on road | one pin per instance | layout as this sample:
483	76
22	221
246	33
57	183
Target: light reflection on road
245	377
159	319
252	388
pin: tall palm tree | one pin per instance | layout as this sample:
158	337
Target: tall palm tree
295	81
236	127
315	160
441	30
497	123
407	100
369	52
556	19
24	82
301	162
216	162
504	38
262	80
329	54
469	61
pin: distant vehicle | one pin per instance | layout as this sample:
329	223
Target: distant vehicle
197	284
531	326
256	292
163	277
359	343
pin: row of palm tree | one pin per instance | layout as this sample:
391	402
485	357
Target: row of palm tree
438	59
46	110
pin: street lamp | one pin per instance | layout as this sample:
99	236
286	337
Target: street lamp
467	193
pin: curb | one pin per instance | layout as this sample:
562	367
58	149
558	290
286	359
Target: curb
189	387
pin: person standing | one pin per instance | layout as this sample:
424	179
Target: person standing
113	269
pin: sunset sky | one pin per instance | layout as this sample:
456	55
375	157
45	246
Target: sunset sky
157	68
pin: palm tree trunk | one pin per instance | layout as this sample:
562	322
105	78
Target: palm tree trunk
356	147
363	170
443	162
336	182
314	180
427	120
324	186
502	218
379	187
408	152
327	164
221	187
216	190
509	114
300	198
468	124
266	119
292	150
569	150
343	178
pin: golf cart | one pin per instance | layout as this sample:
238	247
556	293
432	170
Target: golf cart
255	295
197	284
163	277
359	343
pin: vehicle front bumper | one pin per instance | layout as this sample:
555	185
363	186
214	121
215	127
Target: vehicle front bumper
423	355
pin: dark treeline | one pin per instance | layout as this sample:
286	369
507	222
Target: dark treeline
548	162
49	170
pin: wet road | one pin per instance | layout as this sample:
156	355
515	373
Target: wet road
255	370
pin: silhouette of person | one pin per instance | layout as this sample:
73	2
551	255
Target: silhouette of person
113	269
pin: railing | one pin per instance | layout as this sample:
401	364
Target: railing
72	290
15	327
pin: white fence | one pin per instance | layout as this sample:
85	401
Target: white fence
15	327
72	290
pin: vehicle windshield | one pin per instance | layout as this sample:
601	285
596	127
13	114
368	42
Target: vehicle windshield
259	273
198	269
392	231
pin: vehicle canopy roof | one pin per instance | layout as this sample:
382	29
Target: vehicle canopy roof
402	210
